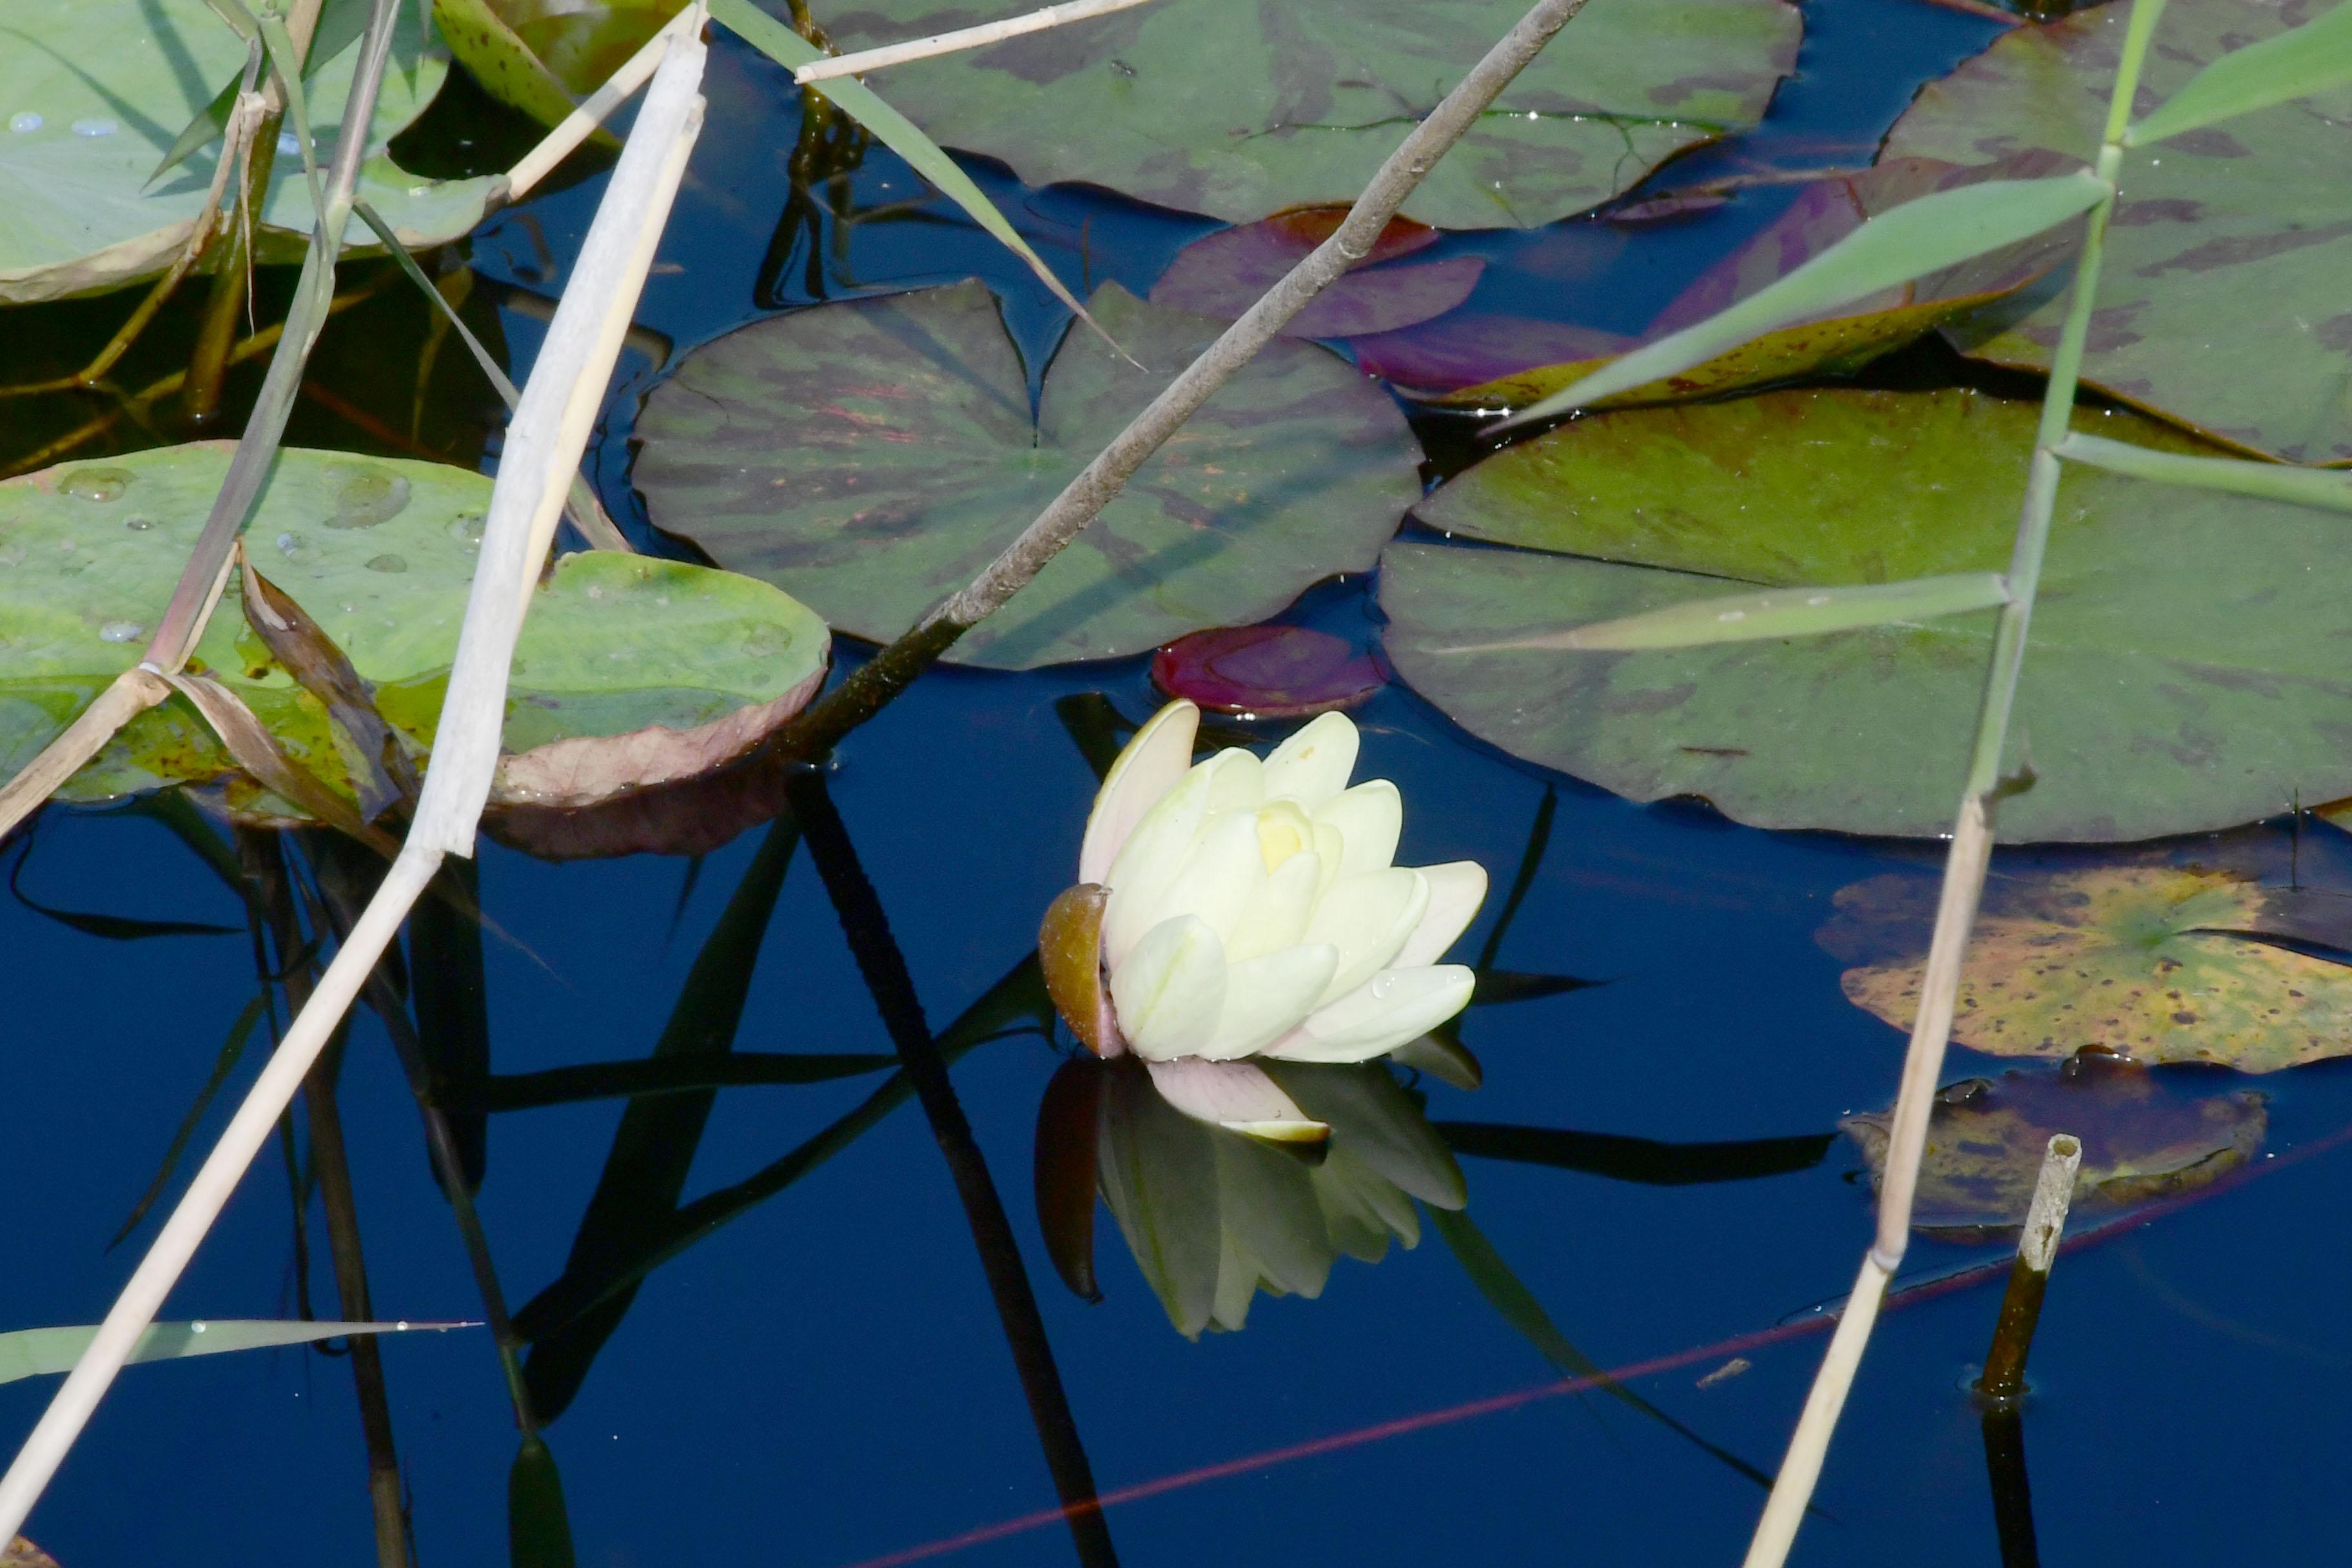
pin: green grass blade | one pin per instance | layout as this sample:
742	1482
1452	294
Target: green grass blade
2328	490
539	1529
2293	64
31	1353
286	65
1906	242
898	132
1774	613
340	22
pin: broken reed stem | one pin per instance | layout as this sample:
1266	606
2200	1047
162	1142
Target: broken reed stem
874	685
892	985
2029	1276
1964	866
987	33
594	110
544	446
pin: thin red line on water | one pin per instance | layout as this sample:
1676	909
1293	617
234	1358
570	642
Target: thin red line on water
1496	1404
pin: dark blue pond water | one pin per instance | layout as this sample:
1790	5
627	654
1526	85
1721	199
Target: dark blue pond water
824	1381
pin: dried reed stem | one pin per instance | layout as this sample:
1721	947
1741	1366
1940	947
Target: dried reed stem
1964	866
962	39
896	666
594	110
2029	1276
548	434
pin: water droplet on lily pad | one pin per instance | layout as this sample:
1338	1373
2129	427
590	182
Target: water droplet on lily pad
96	125
466	528
138	524
97	484
387	564
365	496
120	631
766	642
26	120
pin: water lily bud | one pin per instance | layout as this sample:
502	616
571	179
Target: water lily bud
1239	907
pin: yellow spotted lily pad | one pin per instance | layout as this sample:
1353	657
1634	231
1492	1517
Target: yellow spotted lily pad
2141	1141
2136	960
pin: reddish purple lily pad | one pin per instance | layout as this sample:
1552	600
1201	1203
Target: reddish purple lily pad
1222	274
1442	357
1272	672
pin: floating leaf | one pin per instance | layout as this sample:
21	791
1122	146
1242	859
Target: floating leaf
1224	274
2135	961
1986	1138
2183	676
87	125
1470	348
872	457
30	1353
2308	59
1240	110
1930	236
631	670
1270	672
495	56
1839	339
2222	302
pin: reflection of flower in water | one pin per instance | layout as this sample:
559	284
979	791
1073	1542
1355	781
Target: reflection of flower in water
1246	908
1215	1216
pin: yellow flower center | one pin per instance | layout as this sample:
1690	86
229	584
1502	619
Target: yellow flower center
1283	830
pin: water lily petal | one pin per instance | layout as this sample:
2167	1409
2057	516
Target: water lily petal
1265	1199
1350	1222
1172	989
1369	817
1379	1196
1268	997
1443	1057
1158	1178
1313	765
1278	910
1236	780
1375	1121
1455	891
1237	1277
1149	860
1152	764
1368	919
1236	1096
1392	1007
1218	878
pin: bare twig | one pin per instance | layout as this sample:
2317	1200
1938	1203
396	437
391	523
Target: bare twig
892	670
962	39
2037	1249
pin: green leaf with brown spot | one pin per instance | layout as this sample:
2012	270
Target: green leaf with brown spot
2141	1139
870	457
2186	670
630	671
2136	960
2222	301
1241	108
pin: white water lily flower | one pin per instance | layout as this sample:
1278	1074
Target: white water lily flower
1213	1220
1240	907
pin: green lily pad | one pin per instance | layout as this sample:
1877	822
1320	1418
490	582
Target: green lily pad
93	93
2184	672
538	55
1986	1139
2133	960
1238	109
2222	302
631	671
871	457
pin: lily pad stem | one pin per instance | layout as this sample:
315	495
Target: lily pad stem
1964	867
866	692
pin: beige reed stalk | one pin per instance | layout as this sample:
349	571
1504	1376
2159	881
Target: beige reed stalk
545	444
987	33
1964	866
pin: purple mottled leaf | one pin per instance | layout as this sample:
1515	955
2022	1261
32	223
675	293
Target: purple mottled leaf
1222	274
